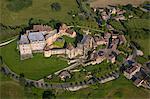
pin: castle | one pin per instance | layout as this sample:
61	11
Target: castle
41	39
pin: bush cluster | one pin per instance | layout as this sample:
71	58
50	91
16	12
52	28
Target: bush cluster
17	5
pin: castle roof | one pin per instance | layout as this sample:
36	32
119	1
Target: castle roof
36	36
86	39
23	39
51	34
41	28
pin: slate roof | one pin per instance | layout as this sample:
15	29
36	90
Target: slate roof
51	34
86	39
23	39
36	36
137	81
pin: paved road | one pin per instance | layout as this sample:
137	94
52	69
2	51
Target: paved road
67	86
7	42
68	68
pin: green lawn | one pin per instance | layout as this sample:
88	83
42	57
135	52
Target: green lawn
117	25
102	68
10	89
117	89
100	47
69	40
144	44
59	44
34	68
39	9
138	23
138	30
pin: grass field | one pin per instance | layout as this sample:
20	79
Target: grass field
10	89
34	68
135	28
39	9
104	3
145	46
117	89
101	69
138	24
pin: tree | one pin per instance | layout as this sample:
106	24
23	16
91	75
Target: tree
22	79
55	6
48	95
17	5
1	60
54	23
3	70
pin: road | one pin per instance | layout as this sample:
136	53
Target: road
7	42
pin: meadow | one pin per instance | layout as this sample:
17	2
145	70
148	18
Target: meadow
104	3
38	67
35	68
137	30
117	89
10	89
40	9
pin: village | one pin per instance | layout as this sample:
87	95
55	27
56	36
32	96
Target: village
104	46
44	39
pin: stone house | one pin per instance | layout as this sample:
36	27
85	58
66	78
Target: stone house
73	52
131	70
42	28
65	30
37	41
64	75
88	42
25	48
51	37
70	52
100	40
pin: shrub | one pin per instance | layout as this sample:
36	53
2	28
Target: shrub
17	5
55	6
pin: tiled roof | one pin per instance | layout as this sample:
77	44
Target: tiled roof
41	28
137	81
64	73
69	31
51	34
70	46
133	68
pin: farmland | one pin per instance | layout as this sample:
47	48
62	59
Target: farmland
118	89
7	87
136	31
104	3
39	9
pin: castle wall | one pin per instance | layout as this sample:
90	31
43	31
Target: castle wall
25	51
38	45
